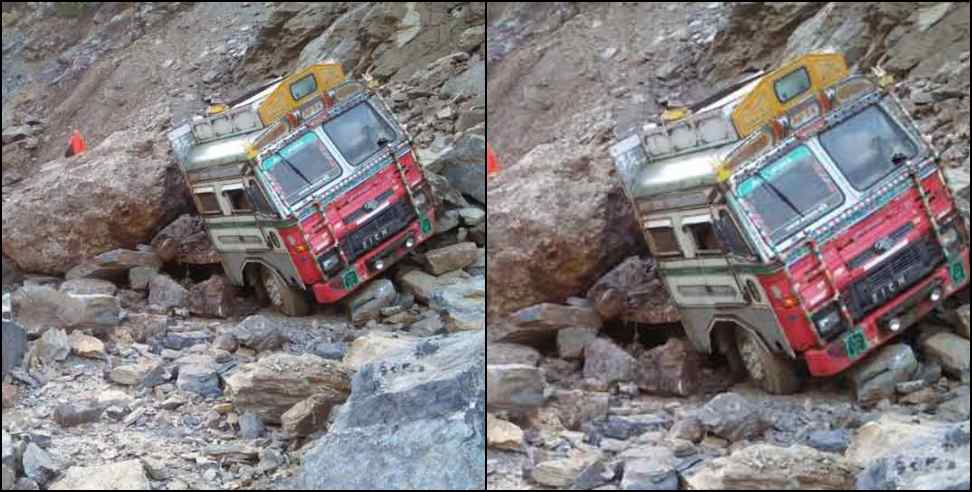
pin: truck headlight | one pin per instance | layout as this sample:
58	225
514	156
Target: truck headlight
331	263
829	322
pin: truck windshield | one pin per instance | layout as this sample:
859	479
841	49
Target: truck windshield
360	133
301	167
790	194
866	146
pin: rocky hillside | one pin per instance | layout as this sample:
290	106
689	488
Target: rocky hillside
591	384
132	363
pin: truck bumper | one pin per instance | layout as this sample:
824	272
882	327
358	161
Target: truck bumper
873	332
364	270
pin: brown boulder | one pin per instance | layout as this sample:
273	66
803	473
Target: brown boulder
214	298
557	221
116	196
185	241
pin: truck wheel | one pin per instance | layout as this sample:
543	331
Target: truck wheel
772	372
284	298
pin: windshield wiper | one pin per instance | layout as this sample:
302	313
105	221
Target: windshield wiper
294	168
780	194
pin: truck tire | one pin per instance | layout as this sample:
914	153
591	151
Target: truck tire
285	299
772	372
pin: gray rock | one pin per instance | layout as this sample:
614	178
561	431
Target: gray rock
732	418
452	258
465	167
9	478
577	408
259	333
462	304
166	294
40	308
571	342
53	346
114	265
514	388
674	369
38	465
607	364
14	346
368	303
876	378
311	415
538	325
199	379
89	287
413	422
11	454
594	477
78	413
830	441
129	475
274	384
331	351
251	427
502	354
140	278
949	350
187	339
471	83
214	298
655	473
226	343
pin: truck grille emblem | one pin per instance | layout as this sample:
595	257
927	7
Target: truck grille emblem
883	246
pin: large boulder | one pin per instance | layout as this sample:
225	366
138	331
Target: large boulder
214	298
272	386
415	421
949	350
540	324
607	364
876	378
633	292
462	304
557	221
116	196
733	417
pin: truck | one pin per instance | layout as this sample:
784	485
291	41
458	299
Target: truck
308	187
799	219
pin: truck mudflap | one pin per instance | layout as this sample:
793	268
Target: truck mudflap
365	268
906	310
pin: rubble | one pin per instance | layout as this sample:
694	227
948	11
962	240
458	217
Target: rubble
607	364
768	467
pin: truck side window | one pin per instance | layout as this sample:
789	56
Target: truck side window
664	242
728	232
258	199
238	201
303	87
704	236
208	204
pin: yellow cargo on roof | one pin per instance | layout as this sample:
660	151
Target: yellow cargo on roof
282	101
764	104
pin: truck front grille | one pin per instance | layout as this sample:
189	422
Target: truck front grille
377	230
894	276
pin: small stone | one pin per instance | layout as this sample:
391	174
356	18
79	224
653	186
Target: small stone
501	434
830	441
310	415
38	465
130	375
200	380
79	413
732	417
87	347
129	475
607	363
452	258
259	333
949	350
251	427
514	388
54	346
910	387
226	343
472	217
166	294
368	304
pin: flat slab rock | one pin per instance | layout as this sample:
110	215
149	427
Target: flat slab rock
414	421
129	475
